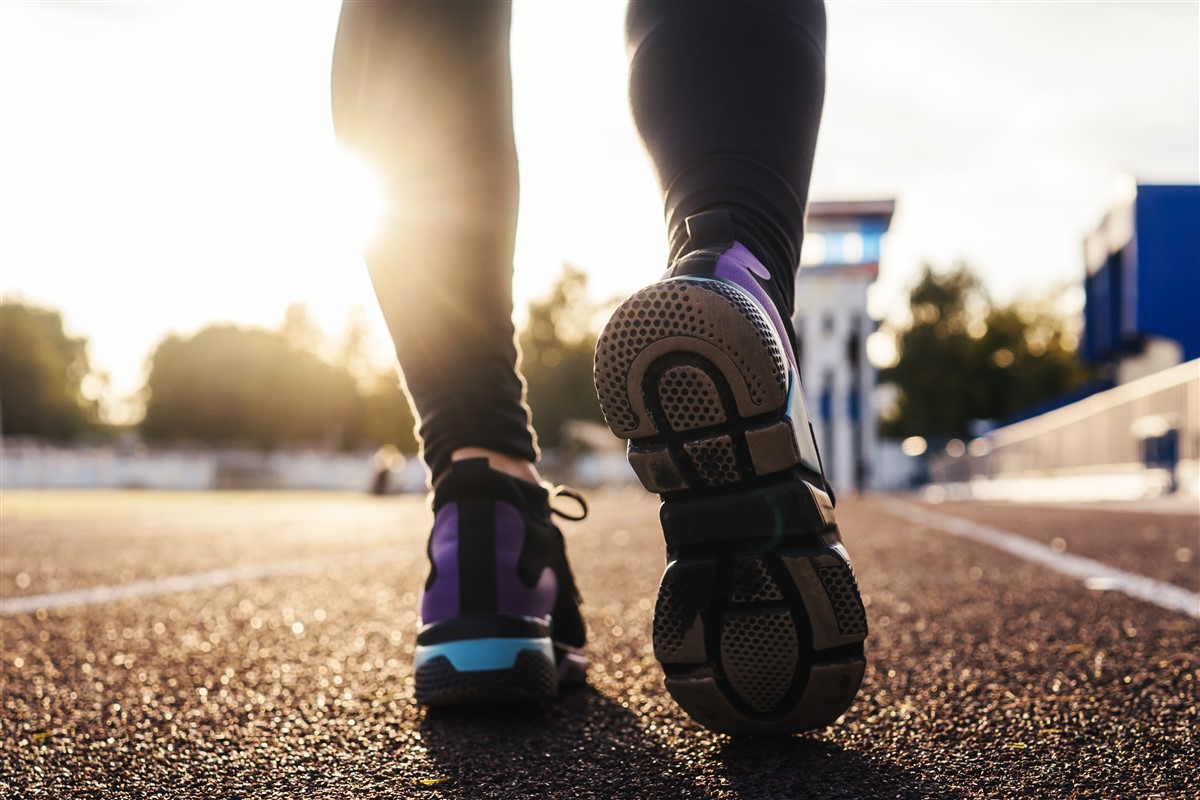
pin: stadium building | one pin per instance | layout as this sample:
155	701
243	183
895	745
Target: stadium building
839	263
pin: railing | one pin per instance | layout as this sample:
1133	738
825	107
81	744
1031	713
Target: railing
1105	433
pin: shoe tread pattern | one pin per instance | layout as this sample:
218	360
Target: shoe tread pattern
761	669
532	677
709	313
842	589
689	399
764	639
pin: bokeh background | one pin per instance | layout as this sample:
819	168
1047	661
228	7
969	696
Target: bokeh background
180	236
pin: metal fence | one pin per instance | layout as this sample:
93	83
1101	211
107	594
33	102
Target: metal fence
1118	430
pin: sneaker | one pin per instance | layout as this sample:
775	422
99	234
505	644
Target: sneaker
500	615
759	626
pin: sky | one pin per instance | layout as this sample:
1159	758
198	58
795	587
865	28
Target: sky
164	166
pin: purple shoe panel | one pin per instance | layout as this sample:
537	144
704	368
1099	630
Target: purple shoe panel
441	600
738	266
733	266
513	596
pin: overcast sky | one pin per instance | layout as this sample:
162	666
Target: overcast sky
168	165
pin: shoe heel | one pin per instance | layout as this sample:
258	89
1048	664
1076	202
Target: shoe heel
691	372
484	659
450	674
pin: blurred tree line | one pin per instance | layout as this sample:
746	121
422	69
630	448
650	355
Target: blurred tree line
42	371
225	385
964	358
230	385
558	342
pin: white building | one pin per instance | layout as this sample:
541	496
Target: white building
839	262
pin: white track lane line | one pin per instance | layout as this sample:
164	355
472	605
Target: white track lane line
1094	573
95	595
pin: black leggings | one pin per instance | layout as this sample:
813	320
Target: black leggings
726	95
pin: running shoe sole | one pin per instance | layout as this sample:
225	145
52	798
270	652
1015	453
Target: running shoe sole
759	625
492	659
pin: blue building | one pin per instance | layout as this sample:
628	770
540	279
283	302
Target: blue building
1143	283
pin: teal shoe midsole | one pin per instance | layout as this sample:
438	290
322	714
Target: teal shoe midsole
477	655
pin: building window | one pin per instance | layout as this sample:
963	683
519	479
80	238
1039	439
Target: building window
826	399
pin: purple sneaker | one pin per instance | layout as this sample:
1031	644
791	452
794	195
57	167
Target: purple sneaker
500	615
759	626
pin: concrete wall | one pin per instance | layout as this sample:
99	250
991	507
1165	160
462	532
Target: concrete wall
30	465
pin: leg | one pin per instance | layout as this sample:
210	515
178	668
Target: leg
759	625
422	90
727	97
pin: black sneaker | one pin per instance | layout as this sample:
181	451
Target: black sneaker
759	625
500	614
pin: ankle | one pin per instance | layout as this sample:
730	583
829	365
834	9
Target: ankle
514	467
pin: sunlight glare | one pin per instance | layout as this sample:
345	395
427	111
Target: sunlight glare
881	350
361	200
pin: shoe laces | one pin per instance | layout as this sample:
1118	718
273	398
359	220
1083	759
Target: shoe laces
569	493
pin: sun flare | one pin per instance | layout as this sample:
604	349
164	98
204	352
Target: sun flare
361	200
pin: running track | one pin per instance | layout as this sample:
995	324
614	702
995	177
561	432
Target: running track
259	646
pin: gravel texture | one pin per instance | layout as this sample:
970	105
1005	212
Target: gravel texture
987	677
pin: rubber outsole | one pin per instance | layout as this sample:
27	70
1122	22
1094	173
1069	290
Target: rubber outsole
692	374
493	658
759	624
531	677
767	642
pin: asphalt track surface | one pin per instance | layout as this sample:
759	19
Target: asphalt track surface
281	668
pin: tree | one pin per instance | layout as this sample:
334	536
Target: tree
251	387
964	359
41	375
387	417
557	351
248	386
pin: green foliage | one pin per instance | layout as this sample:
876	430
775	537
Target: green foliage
557	350
268	389
963	359
238	386
252	387
41	376
387	417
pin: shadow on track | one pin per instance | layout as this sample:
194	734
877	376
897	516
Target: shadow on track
798	767
587	745
581	745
